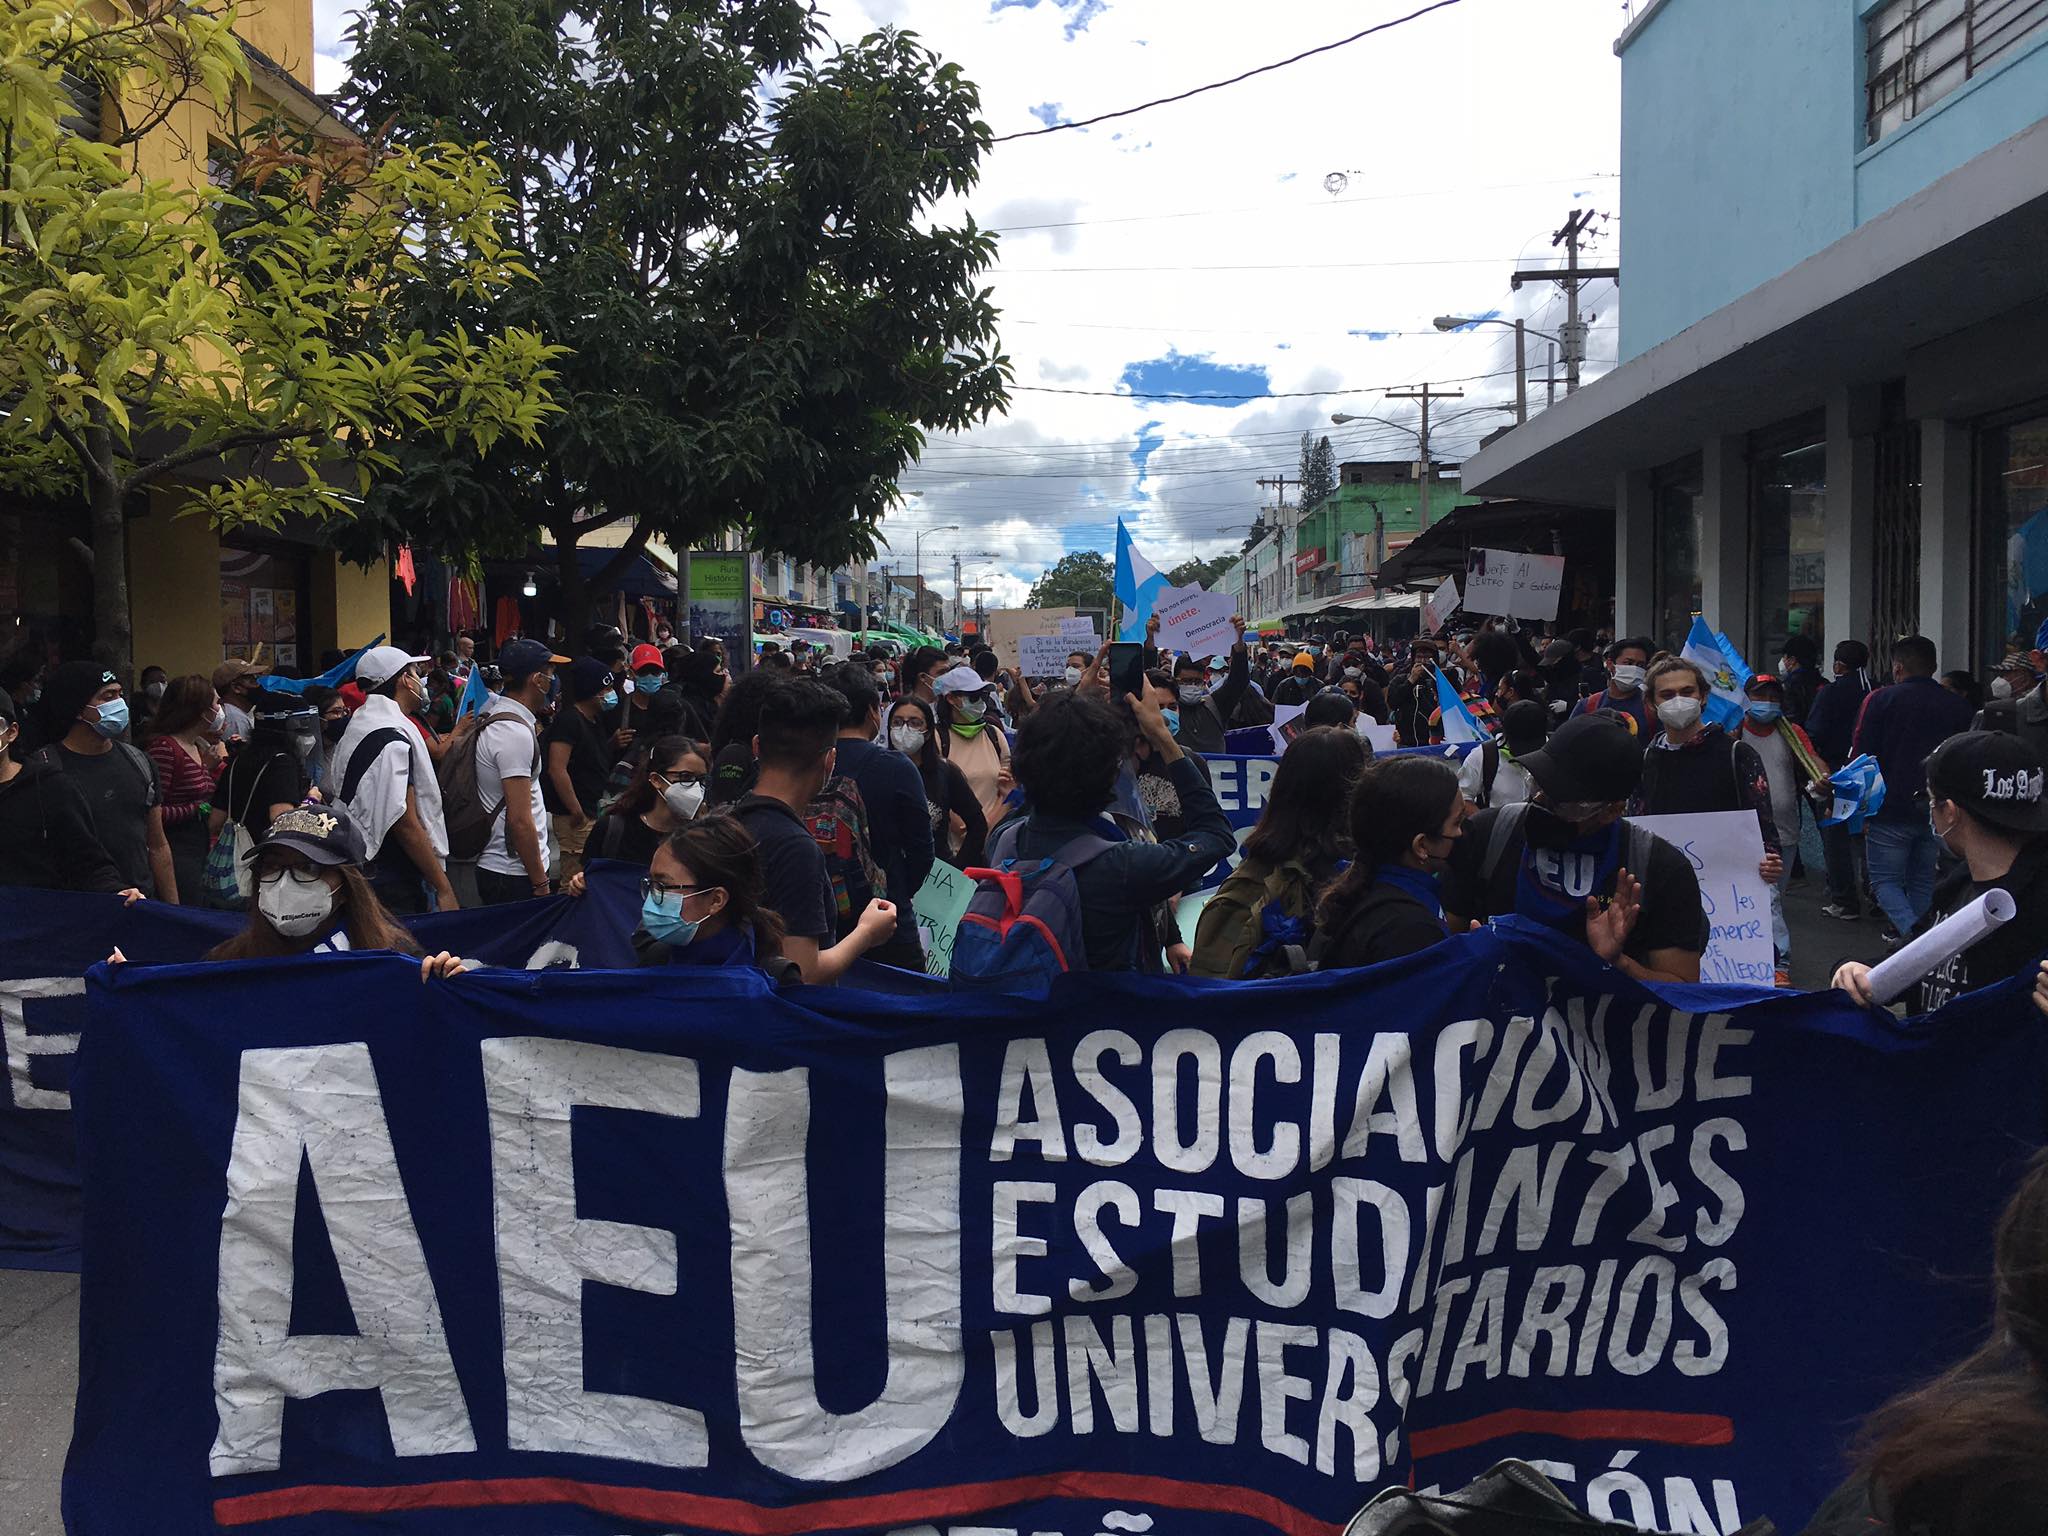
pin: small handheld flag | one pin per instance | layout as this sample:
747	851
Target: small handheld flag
1859	793
1460	725
474	692
1727	673
1138	584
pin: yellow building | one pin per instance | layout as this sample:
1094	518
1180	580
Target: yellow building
196	595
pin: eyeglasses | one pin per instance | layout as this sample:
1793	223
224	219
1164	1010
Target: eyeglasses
653	887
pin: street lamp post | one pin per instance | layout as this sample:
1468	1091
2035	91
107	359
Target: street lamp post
917	558
1521	329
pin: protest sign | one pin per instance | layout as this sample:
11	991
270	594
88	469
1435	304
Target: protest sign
1381	738
1514	584
1196	623
1725	848
1006	626
664	1250
1080	635
57	936
939	904
1041	656
1441	604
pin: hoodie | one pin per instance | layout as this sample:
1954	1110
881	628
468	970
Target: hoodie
46	835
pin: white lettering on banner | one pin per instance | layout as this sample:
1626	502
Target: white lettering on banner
546	1252
22	1047
767	1189
321	1105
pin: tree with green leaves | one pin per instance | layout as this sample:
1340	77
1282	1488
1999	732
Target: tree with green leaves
1083	579
731	224
1201	573
1318	471
153	331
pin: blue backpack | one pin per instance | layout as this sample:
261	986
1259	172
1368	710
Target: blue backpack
1024	921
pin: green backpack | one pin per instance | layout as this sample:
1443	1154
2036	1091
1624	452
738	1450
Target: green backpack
1258	924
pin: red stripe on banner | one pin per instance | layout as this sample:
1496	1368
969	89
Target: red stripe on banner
1581	1424
663	1507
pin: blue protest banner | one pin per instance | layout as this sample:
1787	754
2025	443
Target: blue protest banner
586	1252
55	937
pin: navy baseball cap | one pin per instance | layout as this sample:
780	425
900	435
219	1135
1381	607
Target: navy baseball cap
588	677
520	659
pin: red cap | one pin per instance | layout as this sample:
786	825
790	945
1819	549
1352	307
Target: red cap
645	656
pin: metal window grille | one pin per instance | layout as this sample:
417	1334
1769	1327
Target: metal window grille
1918	51
1895	580
84	93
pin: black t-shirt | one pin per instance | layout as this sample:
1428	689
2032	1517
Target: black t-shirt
634	842
258	778
119	788
2005	951
590	764
1384	925
1671	917
793	875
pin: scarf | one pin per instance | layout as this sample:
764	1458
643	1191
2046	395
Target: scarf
1552	884
1414	882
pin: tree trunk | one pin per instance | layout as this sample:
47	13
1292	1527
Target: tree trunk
572	594
113	627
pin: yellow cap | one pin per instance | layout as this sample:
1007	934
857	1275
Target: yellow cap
1303	659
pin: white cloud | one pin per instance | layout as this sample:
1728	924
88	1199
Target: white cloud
1464	138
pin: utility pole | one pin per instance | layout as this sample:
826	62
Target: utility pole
1279	485
1550	373
1425	394
1570	279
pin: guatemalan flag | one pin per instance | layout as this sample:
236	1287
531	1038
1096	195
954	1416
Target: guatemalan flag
1727	673
1460	725
1138	584
474	692
1859	792
341	672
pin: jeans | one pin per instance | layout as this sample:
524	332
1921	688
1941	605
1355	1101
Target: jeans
1902	855
496	889
1844	850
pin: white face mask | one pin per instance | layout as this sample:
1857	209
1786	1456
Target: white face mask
217	719
1679	714
294	902
1629	677
2001	688
1073	676
683	800
907	739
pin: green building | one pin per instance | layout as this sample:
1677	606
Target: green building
1375	510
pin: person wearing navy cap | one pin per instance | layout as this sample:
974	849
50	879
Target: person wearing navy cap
514	863
577	761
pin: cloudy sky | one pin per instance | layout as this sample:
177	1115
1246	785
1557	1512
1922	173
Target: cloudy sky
1291	235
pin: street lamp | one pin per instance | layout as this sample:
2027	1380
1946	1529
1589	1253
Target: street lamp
917	556
1521	330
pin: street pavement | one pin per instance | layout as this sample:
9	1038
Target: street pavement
39	1312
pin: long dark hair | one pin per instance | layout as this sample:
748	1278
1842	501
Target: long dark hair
697	678
187	702
367	921
1396	798
1964	1455
739	714
1303	818
931	762
639	796
718	850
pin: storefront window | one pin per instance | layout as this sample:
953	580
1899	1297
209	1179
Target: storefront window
1675	595
1788	533
261	607
2013	531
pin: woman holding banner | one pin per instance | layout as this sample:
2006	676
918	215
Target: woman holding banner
701	904
312	897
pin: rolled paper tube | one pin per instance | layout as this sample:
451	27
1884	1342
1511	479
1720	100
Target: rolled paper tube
1940	944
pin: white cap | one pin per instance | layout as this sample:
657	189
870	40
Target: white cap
380	663
962	679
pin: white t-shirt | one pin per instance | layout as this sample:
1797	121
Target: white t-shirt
1511	782
504	750
1782	769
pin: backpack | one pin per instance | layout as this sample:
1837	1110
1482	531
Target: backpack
1257	925
228	883
1637	841
838	820
1024	923
463	813
1489	768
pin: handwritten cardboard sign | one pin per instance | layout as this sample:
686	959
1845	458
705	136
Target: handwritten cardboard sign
1509	582
1195	622
1724	849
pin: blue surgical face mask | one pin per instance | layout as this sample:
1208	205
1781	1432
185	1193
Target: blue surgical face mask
609	698
1764	713
113	718
662	920
651	682
1172	719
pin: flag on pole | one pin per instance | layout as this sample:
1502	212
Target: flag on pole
1460	725
1859	793
1138	584
341	672
1727	673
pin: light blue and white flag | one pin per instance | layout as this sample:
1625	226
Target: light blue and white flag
1859	793
1460	724
1139	584
1727	673
474	692
341	672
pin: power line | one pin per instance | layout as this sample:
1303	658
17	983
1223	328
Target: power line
1296	394
1284	266
1263	69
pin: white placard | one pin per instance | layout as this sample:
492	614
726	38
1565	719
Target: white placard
1007	625
1195	622
1940	944
1381	738
1508	582
1286	724
1043	655
1079	635
1724	849
1443	602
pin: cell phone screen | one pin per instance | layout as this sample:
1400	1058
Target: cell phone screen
1126	669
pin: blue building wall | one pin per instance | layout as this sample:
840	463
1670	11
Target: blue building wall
1742	148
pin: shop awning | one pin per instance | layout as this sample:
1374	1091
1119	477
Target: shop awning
1540	527
1367	601
641	578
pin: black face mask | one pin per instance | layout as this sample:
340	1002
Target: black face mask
1546	829
331	730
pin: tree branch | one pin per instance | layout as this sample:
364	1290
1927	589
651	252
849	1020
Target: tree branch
232	443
